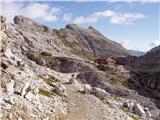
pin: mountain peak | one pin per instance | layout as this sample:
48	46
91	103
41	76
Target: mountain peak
73	26
24	21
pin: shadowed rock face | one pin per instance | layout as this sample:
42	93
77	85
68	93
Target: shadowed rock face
145	73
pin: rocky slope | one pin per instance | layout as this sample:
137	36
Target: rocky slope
157	48
51	75
145	73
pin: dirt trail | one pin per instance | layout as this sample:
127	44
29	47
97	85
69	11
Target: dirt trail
89	107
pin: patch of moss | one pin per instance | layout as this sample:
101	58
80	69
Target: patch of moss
83	53
44	92
68	44
113	80
125	83
106	102
135	118
108	74
126	109
49	81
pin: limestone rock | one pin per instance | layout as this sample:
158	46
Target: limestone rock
25	89
2	23
129	104
2	19
154	113
29	96
12	58
8	53
87	88
100	93
24	21
138	109
60	90
10	87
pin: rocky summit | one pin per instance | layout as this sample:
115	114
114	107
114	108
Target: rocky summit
73	74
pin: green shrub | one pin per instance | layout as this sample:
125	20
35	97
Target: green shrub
44	92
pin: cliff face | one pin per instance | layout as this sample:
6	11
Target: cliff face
145	73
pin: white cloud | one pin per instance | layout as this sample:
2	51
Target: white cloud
82	19
107	13
126	18
67	17
114	17
31	10
129	44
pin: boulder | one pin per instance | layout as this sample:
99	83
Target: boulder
29	96
10	99
3	19
10	87
8	54
2	23
12	58
154	113
87	88
72	80
25	89
60	90
128	104
138	109
44	53
100	93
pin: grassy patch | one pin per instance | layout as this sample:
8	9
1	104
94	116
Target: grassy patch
44	92
126	109
135	118
125	83
68	44
113	80
106	102
83	53
49	81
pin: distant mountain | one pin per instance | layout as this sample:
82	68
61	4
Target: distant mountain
73	39
136	53
155	49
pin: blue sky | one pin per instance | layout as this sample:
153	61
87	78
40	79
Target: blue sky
133	24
